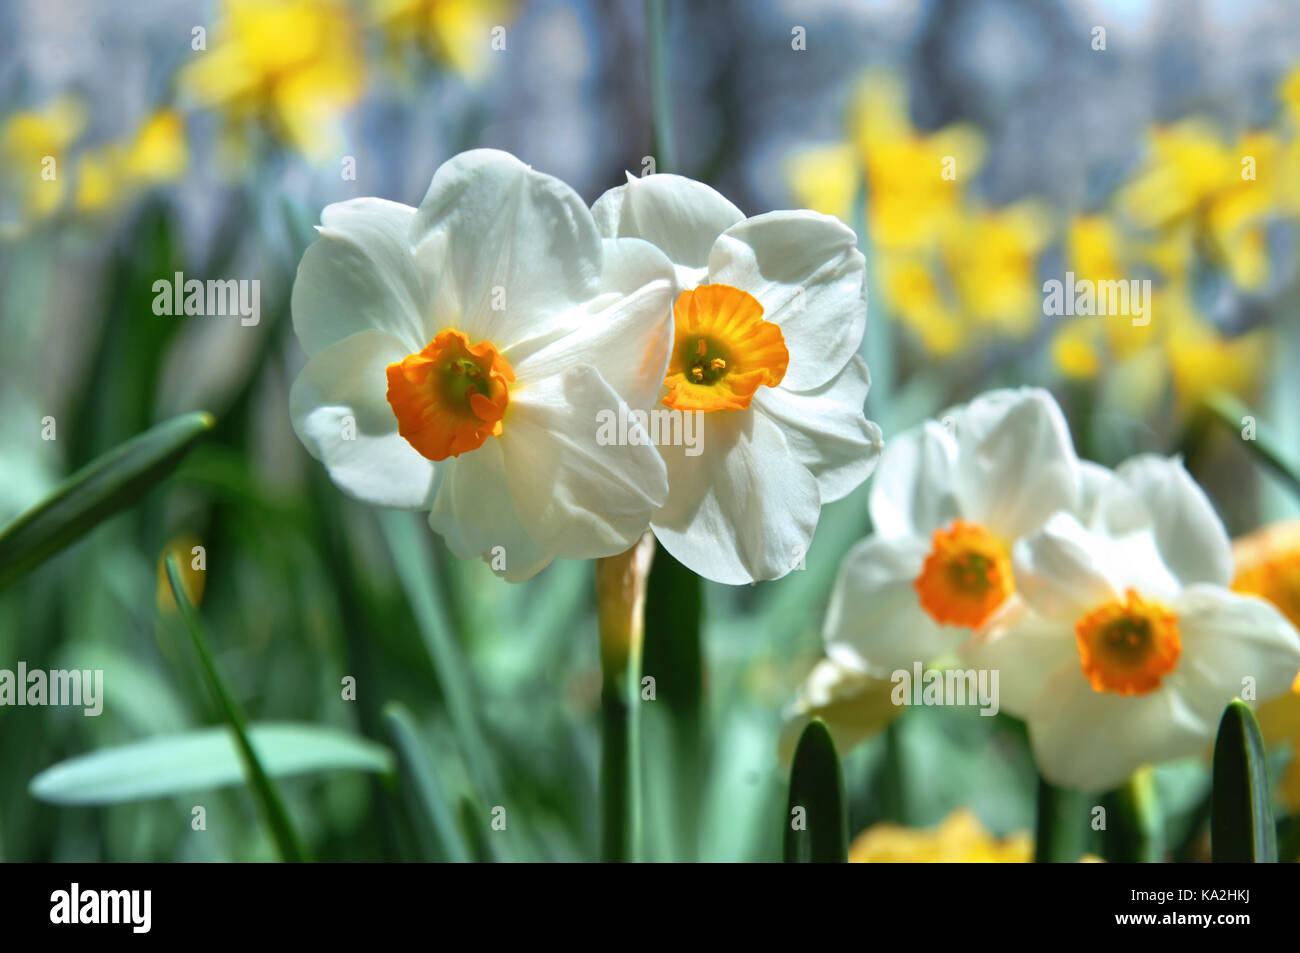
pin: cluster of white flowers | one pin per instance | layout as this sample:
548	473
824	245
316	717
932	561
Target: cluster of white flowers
1100	597
465	354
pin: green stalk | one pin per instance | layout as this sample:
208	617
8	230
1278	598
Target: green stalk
1138	828
664	139
1266	446
442	832
265	793
1061	829
620	609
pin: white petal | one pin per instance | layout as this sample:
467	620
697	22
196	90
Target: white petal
1094	740
742	510
578	498
627	333
476	515
520	246
681	216
1026	654
1228	638
912	492
1017	464
806	271
1061	571
360	275
1188	533
349	380
827	430
875	623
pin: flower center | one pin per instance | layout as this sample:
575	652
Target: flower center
723	350
1128	647
449	397
966	577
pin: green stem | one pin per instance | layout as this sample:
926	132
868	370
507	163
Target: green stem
1061	831
1137	831
264	790
664	138
620	607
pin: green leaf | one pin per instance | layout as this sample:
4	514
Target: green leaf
816	818
102	488
264	790
1266	446
202	761
1241	820
1137	831
429	793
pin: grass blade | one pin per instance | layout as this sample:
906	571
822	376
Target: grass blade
105	486
1266	446
415	767
265	793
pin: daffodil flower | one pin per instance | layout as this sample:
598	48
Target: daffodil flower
768	323
461	354
948	503
1131	644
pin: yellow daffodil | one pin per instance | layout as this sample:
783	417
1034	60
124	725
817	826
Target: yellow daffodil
915	180
825	178
113	173
293	66
1268	565
959	838
455	32
992	261
33	152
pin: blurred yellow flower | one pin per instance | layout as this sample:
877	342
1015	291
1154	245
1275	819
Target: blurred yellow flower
825	178
1227	193
992	260
959	838
33	149
917	299
192	562
294	66
1202	360
455	32
915	180
112	174
1268	566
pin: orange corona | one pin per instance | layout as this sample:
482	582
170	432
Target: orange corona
1128	646
967	576
451	396
723	350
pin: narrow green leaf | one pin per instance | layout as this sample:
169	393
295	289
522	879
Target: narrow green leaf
816	821
1241	820
416	768
102	488
1137	831
1265	445
202	760
265	793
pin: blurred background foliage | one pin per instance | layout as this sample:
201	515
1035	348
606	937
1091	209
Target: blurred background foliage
205	137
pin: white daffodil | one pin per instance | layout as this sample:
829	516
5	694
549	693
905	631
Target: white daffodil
462	353
1130	643
947	506
768	323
